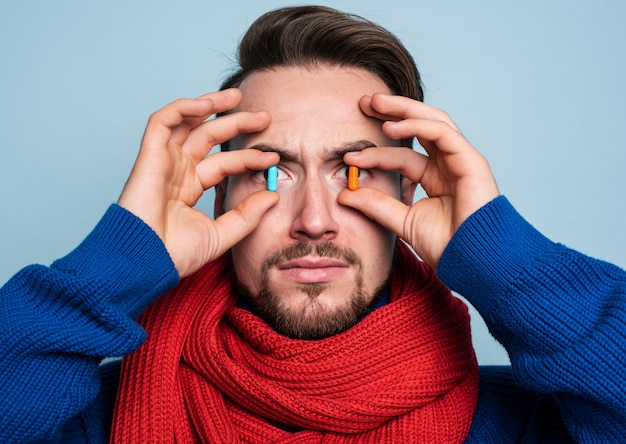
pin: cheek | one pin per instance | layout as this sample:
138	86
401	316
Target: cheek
247	260
366	236
248	255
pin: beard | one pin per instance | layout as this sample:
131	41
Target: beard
313	319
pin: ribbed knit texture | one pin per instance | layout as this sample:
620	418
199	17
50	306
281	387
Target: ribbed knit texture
405	374
561	315
56	323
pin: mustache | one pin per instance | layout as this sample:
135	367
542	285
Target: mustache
305	248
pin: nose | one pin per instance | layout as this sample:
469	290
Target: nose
314	216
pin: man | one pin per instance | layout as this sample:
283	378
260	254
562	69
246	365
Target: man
301	315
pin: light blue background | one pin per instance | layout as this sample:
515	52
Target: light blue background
537	86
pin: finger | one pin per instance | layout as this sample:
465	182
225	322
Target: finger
218	166
432	135
381	207
200	141
187	113
224	100
172	122
407	162
395	108
237	223
365	103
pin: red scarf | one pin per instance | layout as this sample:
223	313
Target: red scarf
213	372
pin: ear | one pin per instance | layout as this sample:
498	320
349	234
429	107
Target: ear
220	198
408	188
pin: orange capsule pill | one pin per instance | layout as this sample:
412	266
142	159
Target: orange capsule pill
353	178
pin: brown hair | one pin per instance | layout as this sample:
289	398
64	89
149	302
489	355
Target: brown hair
310	35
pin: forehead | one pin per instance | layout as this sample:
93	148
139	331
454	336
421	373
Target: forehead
312	108
325	82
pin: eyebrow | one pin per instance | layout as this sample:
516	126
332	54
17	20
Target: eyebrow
330	154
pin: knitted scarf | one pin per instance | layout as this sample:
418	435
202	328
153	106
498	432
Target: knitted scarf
215	373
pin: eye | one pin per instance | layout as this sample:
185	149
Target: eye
261	175
342	173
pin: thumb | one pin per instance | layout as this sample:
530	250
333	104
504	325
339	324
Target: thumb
381	207
239	222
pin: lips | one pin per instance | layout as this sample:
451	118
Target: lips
309	270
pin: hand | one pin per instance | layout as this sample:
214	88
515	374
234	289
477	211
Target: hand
173	169
456	178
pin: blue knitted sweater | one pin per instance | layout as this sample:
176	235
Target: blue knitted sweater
561	316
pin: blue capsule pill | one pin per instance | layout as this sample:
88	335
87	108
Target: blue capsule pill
272	178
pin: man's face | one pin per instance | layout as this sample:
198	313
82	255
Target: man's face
312	266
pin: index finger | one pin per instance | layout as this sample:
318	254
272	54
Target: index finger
407	162
216	167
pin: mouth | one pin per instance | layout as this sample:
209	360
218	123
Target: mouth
312	270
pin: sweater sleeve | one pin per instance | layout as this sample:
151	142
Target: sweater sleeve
560	315
58	322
